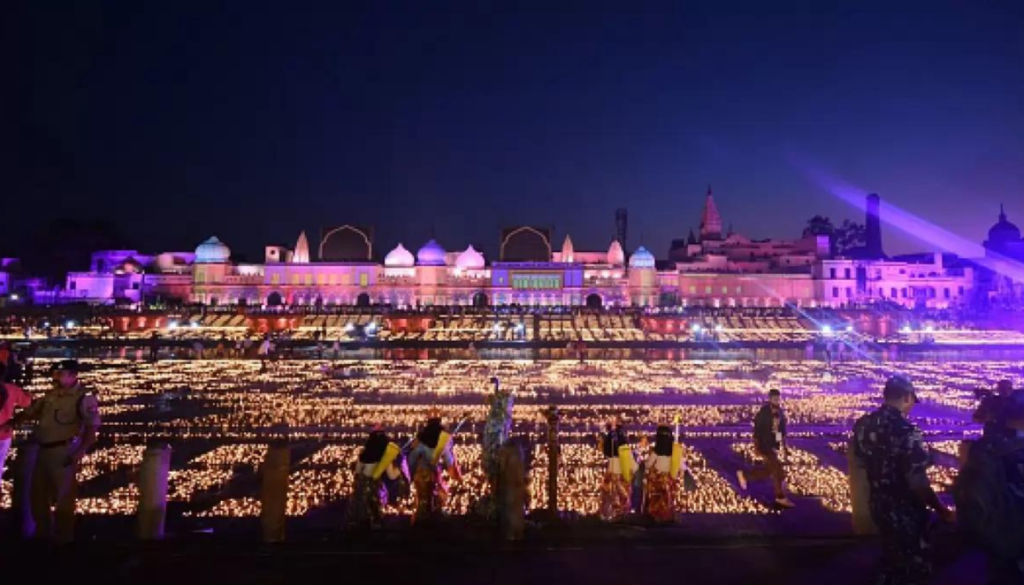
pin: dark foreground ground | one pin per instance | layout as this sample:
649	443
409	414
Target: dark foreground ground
453	556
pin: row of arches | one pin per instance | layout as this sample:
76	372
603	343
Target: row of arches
275	299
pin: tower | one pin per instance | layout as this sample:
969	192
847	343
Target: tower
621	223
710	221
568	255
301	254
873	227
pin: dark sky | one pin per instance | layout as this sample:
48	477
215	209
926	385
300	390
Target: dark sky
253	120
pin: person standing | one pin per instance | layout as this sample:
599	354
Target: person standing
663	467
68	425
769	437
11	397
369	495
894	456
989	489
154	346
497	428
430	457
618	476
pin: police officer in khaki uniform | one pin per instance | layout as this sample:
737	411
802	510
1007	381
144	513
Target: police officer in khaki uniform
68	424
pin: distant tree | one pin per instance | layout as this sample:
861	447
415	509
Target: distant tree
819	225
849	235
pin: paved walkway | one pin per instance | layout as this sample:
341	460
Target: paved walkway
444	557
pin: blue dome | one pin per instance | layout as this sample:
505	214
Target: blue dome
212	251
641	259
431	254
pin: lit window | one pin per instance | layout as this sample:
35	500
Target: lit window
693	289
275	279
364	279
707	290
295	279
309	279
739	290
725	290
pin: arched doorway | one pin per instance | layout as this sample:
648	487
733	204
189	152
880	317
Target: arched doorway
274	300
594	301
480	300
363	300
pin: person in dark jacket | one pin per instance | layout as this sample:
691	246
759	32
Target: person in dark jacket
896	460
769	437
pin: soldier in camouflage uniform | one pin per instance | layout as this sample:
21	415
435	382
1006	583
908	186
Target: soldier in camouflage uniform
896	461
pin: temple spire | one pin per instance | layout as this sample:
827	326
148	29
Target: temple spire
710	221
567	250
301	253
1002	213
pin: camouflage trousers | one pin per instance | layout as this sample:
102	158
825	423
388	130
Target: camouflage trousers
906	550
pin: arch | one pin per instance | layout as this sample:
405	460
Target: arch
480	300
361	233
526	228
274	299
594	301
363	300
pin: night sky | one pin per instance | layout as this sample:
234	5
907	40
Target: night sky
254	120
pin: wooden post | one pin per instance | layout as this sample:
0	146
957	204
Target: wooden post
152	511
553	456
21	496
274	496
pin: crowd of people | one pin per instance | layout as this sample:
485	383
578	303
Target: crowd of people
642	478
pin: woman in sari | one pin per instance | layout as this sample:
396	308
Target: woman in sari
431	455
663	469
620	466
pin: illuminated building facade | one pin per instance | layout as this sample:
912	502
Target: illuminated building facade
715	268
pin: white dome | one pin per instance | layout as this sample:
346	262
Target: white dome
399	258
212	251
431	254
616	257
470	259
642	258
